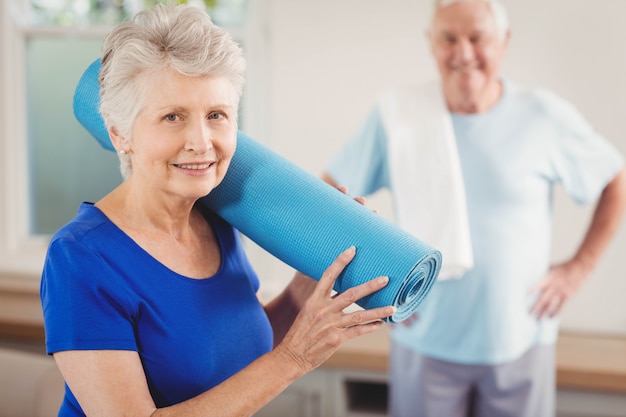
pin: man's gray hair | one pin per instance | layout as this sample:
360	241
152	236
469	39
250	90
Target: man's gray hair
497	9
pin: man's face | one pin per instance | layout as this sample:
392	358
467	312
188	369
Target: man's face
468	48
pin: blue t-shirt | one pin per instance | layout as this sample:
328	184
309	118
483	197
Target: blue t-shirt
100	290
511	157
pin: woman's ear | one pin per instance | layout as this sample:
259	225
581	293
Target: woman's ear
119	143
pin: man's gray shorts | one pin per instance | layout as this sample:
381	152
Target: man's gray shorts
424	387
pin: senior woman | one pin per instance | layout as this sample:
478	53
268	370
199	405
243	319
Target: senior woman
149	301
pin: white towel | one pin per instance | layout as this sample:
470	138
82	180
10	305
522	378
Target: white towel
428	191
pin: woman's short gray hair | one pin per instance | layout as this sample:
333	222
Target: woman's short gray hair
180	37
497	9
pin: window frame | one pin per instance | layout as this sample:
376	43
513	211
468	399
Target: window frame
20	253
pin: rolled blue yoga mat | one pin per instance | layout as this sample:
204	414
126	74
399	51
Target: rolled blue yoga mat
301	220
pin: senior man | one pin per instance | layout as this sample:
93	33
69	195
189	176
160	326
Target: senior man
471	162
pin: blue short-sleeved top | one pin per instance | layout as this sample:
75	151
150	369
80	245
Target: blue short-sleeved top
100	290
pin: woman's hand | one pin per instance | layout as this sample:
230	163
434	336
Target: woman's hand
322	325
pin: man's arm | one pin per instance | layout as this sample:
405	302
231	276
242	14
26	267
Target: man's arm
326	177
563	280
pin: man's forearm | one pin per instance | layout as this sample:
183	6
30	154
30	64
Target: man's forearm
604	223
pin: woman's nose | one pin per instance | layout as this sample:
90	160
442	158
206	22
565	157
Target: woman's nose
199	137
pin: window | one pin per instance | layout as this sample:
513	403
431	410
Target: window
49	162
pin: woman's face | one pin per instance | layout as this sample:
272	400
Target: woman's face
185	135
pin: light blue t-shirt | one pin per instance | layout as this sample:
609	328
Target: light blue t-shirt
511	157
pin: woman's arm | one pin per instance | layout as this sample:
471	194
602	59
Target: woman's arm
284	308
113	383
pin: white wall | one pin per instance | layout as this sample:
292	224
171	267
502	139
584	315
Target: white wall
329	59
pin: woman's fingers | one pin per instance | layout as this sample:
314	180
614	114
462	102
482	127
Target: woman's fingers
361	317
352	295
327	281
323	325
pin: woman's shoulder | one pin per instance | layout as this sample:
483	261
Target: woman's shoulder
89	227
86	218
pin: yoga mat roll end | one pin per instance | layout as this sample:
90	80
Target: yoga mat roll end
416	286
